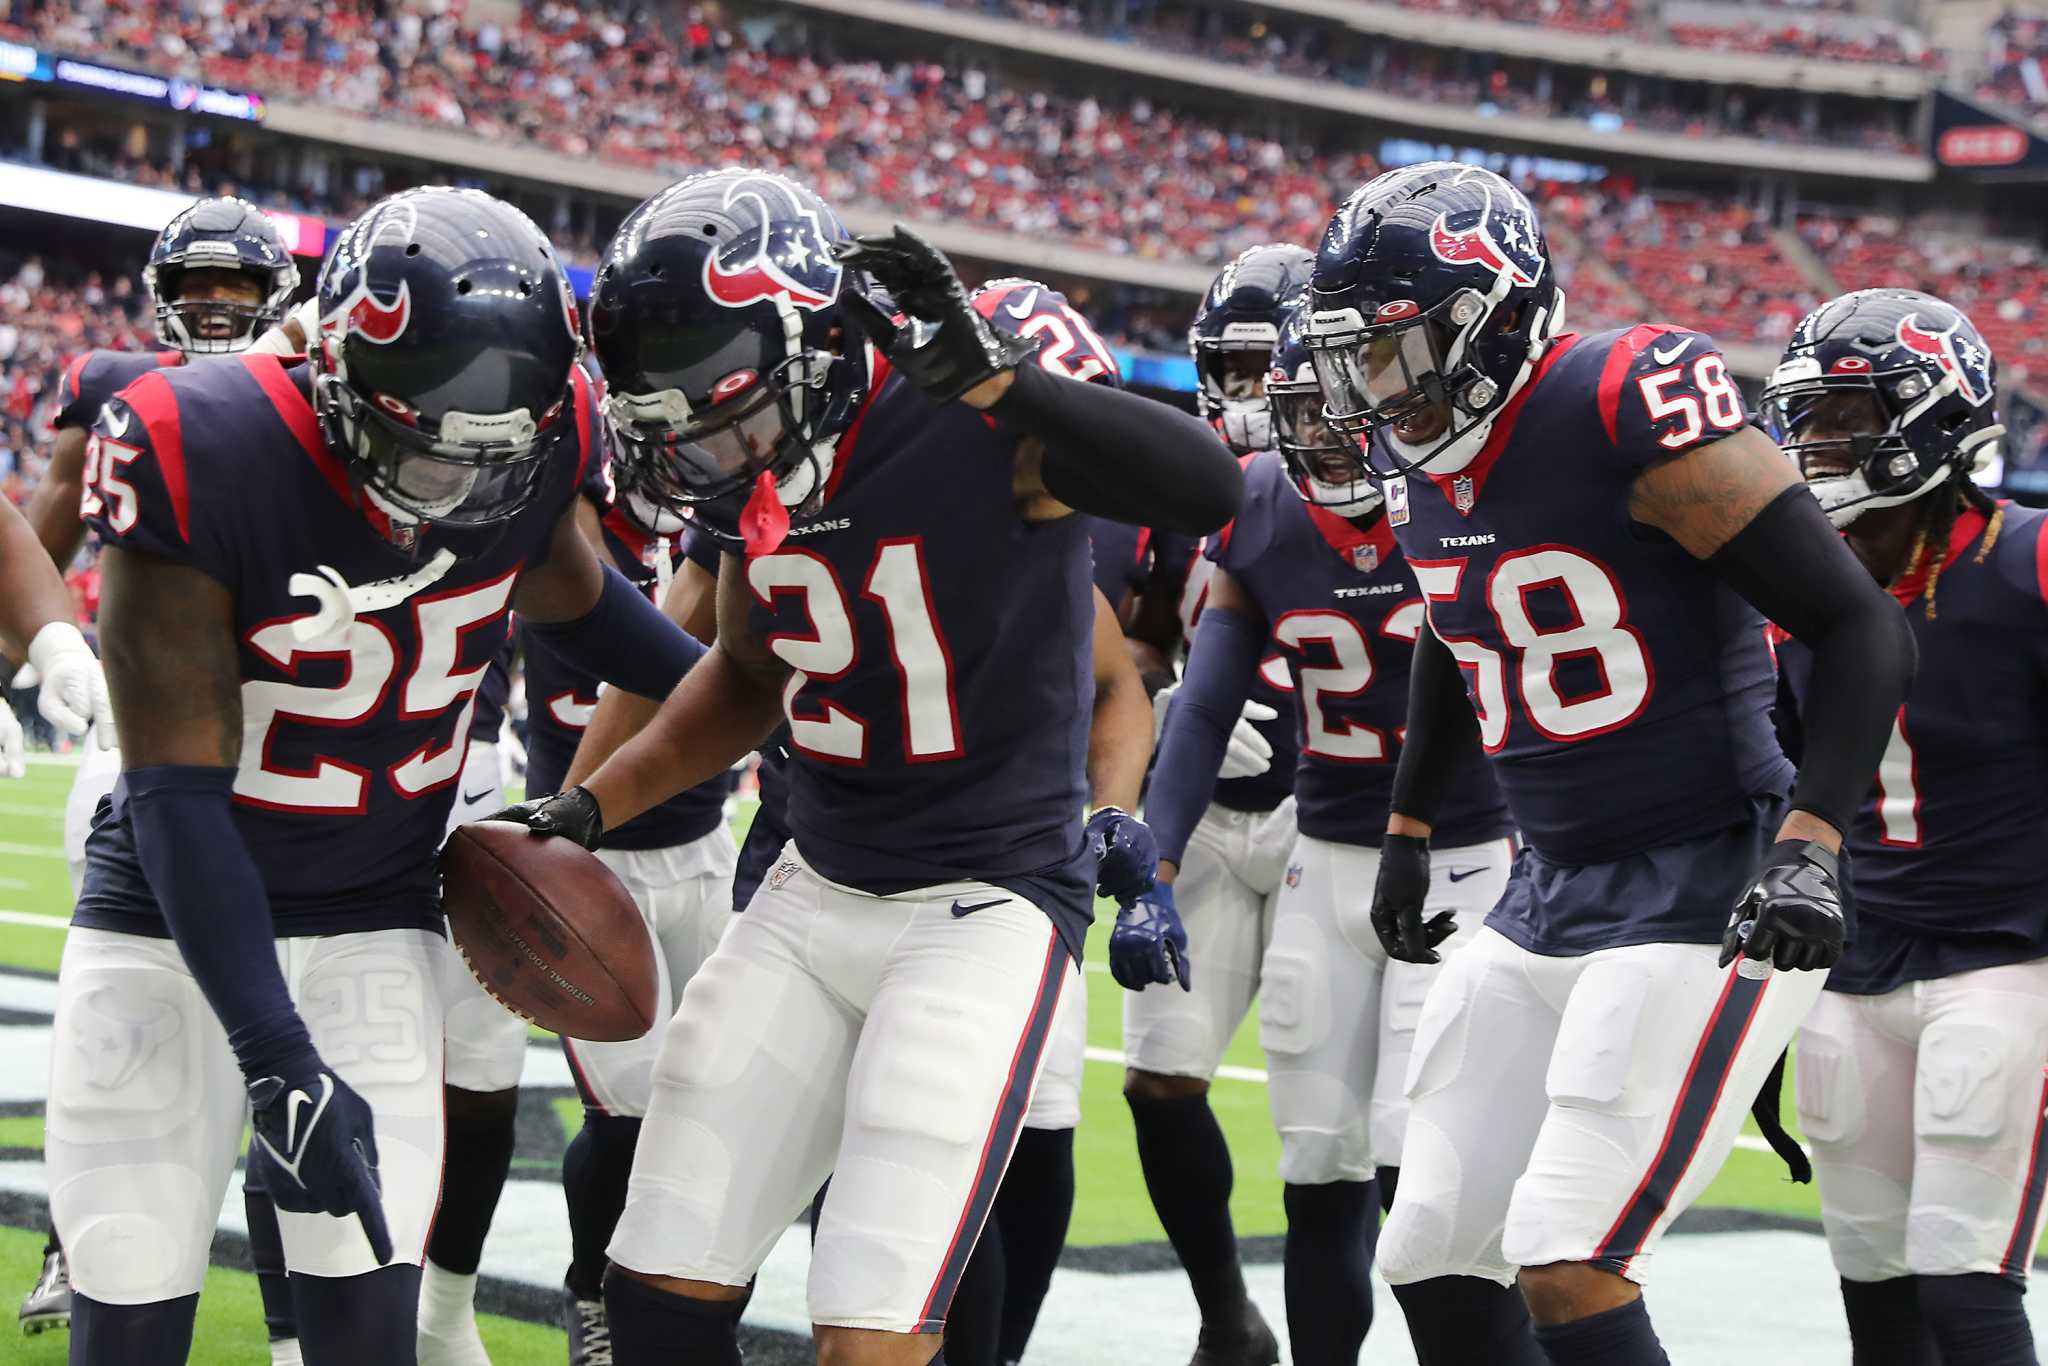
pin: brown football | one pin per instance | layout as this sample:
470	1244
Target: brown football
549	931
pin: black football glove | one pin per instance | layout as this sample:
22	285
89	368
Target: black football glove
571	815
315	1146
946	347
1126	855
1397	900
1791	916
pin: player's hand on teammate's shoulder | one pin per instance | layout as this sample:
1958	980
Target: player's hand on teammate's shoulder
1149	945
316	1145
1791	915
1126	856
945	347
572	815
1398	896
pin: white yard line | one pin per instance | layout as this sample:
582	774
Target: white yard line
55	851
41	922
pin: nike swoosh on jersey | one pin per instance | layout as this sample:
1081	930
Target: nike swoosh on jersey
1460	874
115	418
1022	310
474	797
959	910
1663	357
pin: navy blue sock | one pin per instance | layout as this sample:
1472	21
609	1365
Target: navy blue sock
349	1320
1332	1231
480	1134
974	1320
1616	1337
1455	1320
654	1328
266	1257
1978	1319
1390	1181
1886	1327
595	1168
1034	1205
123	1334
1188	1173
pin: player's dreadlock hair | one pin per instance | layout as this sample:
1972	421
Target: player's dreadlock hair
1938	521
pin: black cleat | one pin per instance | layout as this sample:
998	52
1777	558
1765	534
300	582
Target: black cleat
48	1305
590	1335
1250	1343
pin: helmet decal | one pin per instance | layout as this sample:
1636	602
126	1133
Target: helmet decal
364	314
790	254
1958	355
1501	237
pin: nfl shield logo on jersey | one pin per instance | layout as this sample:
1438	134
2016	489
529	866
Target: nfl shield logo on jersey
1461	493
1365	558
1397	501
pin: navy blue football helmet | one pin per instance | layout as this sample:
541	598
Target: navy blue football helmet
1882	396
1434	296
1232	336
441	372
1328	468
713	316
218	234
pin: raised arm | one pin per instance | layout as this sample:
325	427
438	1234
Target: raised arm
1738	504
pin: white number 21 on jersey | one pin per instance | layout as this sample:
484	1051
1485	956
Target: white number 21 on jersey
897	582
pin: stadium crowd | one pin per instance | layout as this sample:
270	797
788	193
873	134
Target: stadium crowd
2016	60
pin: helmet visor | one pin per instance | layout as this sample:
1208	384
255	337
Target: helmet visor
453	483
1379	374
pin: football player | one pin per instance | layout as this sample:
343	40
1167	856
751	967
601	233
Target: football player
1228	869
996	1304
1920	1071
218	275
483	1052
907	588
1309	567
36	624
308	569
1595	528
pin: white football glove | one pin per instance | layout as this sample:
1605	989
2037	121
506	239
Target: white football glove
1247	754
74	692
11	764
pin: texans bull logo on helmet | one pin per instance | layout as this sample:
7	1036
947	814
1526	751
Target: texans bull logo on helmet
1500	235
1956	354
360	311
787	254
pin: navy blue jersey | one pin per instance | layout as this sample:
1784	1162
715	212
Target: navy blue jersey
560	699
1272	687
1121	555
353	742
1344	613
940	710
1622	689
93	378
1945	855
489	717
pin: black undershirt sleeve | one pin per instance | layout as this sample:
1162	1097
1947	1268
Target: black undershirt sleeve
1792	566
1123	456
1443	730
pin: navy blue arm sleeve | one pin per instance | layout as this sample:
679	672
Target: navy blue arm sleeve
214	902
624	640
1124	456
1221	665
1793	567
1442	730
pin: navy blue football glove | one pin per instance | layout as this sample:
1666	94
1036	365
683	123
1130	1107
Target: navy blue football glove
1126	856
1149	944
1397	900
315	1147
571	815
1791	916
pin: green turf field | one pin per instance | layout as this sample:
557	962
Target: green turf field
1111	1208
